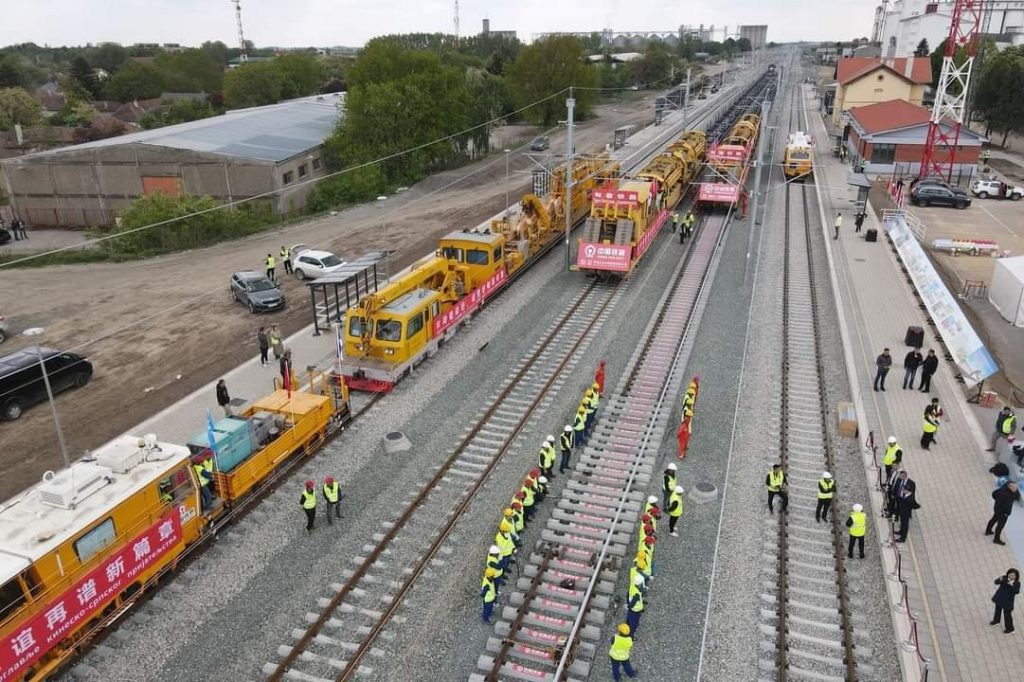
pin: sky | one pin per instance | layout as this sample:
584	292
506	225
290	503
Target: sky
353	22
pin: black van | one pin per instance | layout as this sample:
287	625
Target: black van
21	378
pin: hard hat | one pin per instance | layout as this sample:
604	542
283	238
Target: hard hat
543	479
520	495
567	428
491	572
623	629
595	386
858	508
652	499
671	467
892	440
551	439
329	480
646	518
517	505
638	580
310	485
826	474
655	512
533	473
530	481
494	550
505	526
679	489
508	512
649	540
648	528
641	560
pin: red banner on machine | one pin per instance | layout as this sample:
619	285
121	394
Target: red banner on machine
27	644
651	233
731	153
719	192
613	196
468	304
593	256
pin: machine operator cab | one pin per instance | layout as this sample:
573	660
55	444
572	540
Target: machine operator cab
401	329
476	255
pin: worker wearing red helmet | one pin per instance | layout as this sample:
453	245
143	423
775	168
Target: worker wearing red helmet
528	491
517	507
332	493
308	502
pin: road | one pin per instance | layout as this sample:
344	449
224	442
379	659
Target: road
158	329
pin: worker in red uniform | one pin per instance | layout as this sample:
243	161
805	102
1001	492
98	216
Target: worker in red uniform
599	377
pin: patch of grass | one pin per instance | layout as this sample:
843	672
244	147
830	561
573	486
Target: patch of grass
69	257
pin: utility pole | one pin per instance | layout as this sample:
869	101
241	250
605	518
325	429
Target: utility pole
456	21
243	57
765	108
570	105
686	95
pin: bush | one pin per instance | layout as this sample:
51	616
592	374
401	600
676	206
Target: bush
363	184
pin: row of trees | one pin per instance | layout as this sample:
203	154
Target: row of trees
999	97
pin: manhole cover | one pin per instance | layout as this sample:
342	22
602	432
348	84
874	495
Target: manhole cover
704	487
395	435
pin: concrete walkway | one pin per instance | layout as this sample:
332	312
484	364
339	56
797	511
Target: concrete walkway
948	563
44	240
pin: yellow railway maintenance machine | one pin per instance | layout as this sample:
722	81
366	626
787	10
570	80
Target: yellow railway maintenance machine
798	161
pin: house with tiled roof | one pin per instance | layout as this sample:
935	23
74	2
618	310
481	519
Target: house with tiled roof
891	136
861	81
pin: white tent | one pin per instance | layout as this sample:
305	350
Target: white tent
1006	292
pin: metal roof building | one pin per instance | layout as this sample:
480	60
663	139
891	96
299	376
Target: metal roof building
272	150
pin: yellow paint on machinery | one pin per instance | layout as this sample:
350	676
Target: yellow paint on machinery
798	159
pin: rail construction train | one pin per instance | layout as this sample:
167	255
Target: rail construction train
798	157
392	330
80	547
627	214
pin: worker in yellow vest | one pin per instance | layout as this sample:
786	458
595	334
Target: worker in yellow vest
528	497
675	509
858	525
519	520
579	426
503	540
547	456
776	484
286	259
932	413
565	441
494	561
271	264
668	484
826	491
205	478
332	493
488	592
308	501
622	645
892	458
509	515
635	603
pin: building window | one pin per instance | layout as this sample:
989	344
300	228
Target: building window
883	153
288	177
316	164
303	171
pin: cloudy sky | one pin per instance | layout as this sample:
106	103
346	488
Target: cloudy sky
352	22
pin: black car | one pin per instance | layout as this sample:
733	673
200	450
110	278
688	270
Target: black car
927	194
540	143
5	236
256	291
21	377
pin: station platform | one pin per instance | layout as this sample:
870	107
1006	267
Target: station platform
948	566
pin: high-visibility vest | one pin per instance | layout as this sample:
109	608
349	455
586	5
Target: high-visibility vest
271	262
675	218
547	456
527	496
638	595
208	466
566	440
826	488
308	500
586	407
931	424
285	253
494	561
581	421
487	587
890	455
594	399
689	219
775	480
669	482
517	521
675	499
201	474
635	571
621	646
504	543
1009	425
331	492
860	524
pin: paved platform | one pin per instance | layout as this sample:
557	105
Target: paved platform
948	563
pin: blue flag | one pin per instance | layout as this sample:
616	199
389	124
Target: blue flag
210	438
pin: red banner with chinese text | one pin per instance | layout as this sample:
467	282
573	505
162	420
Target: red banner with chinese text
592	256
467	304
718	192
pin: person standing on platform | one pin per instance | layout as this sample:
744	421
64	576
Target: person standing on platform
826	491
837	224
276	344
858	525
264	342
622	645
332	493
882	364
1003	498
775	481
308	502
488	592
565	443
928	368
1006	425
668	484
858	221
547	456
675	509
892	458
911	362
930	423
223	399
1009	588
904	501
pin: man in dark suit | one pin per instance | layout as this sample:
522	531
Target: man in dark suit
911	362
928	368
903	502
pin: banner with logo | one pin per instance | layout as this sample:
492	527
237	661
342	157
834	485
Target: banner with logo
468	304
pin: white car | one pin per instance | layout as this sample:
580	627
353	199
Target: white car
310	263
983	189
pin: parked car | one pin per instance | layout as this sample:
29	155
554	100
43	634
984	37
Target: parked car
256	292
924	194
21	378
5	236
4	326
310	263
983	189
540	143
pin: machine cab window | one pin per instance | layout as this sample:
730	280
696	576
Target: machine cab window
389	330
175	488
476	257
356	326
415	325
95	540
12	598
453	253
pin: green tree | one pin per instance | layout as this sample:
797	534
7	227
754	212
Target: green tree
18	107
301	74
253	84
75	114
743	45
959	57
217	51
190	71
999	97
82	74
922	49
353	187
181	111
133	82
543	70
654	68
108	56
12	72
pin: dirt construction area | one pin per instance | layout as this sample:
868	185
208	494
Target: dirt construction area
156	330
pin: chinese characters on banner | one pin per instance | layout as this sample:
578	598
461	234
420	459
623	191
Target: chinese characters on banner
727	154
615	257
29	641
612	196
651	233
718	191
467	304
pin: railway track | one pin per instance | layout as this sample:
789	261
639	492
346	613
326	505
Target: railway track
550	631
806	622
334	643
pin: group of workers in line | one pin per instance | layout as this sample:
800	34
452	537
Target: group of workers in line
685	227
332	496
521	508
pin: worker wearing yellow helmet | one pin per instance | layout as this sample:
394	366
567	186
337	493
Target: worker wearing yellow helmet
622	645
503	540
489	593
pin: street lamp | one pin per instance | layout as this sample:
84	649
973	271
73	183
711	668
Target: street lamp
507	152
33	332
380	202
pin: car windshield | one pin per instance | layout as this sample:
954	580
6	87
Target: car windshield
261	284
331	260
539	140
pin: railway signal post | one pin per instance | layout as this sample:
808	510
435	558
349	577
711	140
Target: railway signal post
570	104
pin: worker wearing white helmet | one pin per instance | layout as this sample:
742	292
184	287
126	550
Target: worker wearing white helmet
547	456
892	458
668	484
826	491
858	525
542	488
565	441
494	561
675	509
635	603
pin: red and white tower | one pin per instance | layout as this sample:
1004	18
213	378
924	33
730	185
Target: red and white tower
951	94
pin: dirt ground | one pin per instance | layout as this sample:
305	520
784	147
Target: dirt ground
157	330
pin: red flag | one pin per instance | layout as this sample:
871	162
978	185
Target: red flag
287	379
